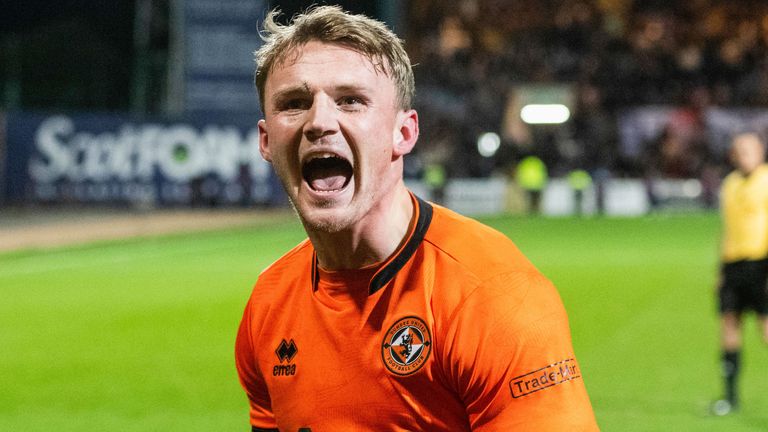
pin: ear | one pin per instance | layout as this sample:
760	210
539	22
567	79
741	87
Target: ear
264	149
407	132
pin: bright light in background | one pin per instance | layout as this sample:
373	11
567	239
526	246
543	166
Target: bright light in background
488	144
692	188
545	113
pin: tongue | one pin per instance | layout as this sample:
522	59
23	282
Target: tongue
327	179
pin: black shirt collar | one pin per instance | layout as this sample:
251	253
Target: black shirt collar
394	265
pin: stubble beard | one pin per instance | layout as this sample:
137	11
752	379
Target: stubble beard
326	223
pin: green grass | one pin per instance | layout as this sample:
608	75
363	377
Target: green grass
138	335
129	336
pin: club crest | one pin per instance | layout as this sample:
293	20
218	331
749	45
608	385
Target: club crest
406	346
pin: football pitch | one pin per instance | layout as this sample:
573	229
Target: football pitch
138	335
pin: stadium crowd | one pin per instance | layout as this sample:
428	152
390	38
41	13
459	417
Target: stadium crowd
472	55
475	60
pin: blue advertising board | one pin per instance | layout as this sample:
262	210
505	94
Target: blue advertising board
113	158
219	40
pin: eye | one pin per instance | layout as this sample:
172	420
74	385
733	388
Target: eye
351	102
293	104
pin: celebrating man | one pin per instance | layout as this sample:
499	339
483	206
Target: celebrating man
395	314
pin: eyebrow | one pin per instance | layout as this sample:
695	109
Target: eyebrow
298	90
351	88
304	89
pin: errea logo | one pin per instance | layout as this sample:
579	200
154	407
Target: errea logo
285	352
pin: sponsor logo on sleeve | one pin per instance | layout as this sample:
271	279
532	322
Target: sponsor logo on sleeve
406	346
544	378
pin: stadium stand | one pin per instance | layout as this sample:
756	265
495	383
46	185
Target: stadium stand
615	54
654	88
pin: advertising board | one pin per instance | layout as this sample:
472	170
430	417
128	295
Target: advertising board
110	158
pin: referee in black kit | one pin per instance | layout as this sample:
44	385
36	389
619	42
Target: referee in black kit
744	255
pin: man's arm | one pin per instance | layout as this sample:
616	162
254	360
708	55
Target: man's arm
251	378
509	354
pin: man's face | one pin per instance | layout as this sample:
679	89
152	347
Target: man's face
747	153
333	133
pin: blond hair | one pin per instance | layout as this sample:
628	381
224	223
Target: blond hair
331	24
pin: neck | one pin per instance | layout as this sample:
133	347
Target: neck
746	171
372	239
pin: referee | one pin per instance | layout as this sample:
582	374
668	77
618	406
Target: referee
744	255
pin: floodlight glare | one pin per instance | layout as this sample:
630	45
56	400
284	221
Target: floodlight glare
545	114
488	144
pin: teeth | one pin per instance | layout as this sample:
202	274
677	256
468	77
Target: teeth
324	156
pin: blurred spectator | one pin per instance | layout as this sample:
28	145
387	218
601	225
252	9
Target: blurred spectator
680	151
532	176
616	55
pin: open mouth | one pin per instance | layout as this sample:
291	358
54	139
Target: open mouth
327	172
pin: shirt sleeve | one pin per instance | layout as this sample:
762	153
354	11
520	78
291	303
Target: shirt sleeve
508	352
261	416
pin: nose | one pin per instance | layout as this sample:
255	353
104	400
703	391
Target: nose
321	119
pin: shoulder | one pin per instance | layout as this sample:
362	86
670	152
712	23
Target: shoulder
731	182
479	271
277	285
296	256
762	172
474	247
293	265
730	178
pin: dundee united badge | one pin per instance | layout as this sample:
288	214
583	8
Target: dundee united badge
406	346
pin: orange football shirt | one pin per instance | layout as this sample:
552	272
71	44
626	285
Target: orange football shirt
457	331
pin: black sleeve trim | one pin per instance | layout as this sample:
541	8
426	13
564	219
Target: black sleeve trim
255	429
422	224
